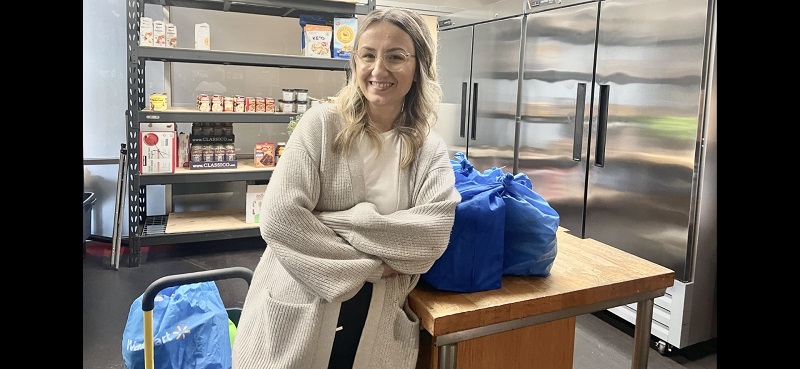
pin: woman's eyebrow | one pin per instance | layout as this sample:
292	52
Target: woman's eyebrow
395	48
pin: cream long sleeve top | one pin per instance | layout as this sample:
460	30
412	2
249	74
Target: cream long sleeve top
324	241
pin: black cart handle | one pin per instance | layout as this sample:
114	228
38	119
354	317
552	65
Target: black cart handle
148	298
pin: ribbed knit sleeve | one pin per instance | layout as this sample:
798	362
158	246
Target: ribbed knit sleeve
407	240
309	250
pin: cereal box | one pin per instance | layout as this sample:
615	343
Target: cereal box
344	37
318	40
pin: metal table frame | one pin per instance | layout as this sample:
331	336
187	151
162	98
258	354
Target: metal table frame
448	343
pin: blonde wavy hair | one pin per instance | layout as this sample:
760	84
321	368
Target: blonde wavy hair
420	106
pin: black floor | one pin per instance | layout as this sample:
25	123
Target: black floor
602	340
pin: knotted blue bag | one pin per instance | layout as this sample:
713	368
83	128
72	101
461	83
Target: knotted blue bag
190	330
530	229
473	260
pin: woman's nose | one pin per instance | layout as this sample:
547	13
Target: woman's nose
377	68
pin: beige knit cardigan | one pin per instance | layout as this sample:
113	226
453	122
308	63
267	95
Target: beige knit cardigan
324	241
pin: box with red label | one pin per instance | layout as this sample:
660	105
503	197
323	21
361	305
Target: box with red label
264	155
158	148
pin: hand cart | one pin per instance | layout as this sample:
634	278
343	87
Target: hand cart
150	293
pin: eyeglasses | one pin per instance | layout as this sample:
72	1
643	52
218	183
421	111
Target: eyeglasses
394	61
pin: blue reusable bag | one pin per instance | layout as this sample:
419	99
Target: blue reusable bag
530	229
473	260
190	330
465	171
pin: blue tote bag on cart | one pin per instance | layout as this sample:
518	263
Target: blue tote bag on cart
190	330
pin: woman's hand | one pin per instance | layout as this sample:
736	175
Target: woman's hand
388	271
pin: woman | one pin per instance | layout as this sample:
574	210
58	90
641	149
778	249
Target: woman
361	203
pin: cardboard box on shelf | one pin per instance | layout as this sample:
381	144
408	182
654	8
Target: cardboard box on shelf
202	36
157	127
160	33
158	148
344	37
183	150
172	35
254	195
158	152
146	31
264	155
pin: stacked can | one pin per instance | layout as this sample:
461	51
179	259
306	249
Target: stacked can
287	103
301	100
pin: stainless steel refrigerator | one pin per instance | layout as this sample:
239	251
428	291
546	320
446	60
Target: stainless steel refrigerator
479	67
614	122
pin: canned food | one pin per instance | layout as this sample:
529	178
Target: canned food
158	101
301	95
227	129
197	152
287	106
219	152
216	129
302	107
208	129
288	94
230	151
261	105
208	152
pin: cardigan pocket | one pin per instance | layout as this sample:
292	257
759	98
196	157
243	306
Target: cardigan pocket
288	331
406	335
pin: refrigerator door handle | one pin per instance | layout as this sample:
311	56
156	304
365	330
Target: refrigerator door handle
474	110
577	138
463	109
602	127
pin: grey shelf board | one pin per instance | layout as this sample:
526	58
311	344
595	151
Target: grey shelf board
182	55
202	176
291	9
162	239
189	116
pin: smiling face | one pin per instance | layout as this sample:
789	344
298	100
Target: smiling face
385	90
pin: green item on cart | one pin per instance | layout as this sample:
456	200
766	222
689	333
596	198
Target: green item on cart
231	330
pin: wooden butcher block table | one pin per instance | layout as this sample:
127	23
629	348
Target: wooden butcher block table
530	322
